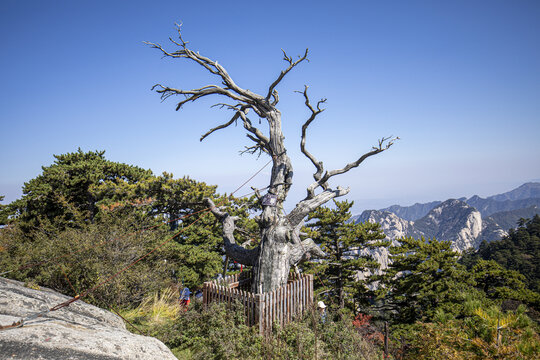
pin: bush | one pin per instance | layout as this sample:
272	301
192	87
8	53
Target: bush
77	260
221	333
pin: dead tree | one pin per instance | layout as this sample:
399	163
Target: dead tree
281	246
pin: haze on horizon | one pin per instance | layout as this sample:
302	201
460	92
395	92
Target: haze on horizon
458	82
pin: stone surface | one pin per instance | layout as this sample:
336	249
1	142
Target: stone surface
79	331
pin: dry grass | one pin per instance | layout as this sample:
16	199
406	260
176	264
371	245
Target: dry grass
157	308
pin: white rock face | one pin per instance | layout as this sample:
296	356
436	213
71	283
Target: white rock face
79	331
393	226
466	237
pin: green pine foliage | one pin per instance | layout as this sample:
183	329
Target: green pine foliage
3	213
424	276
483	332
342	240
61	196
499	283
519	251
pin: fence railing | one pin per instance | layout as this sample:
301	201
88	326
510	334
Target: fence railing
280	306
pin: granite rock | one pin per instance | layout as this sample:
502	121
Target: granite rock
79	331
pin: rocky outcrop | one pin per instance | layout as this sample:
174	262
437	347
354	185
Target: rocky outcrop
392	225
79	331
452	220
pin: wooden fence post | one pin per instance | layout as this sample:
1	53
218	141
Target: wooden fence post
259	311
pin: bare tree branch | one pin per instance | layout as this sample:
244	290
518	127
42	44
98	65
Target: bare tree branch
227	124
257	193
304	251
384	144
304	207
318	164
223	126
233	250
284	72
192	95
231	89
275	95
261	139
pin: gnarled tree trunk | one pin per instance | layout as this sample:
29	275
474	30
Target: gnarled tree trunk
281	246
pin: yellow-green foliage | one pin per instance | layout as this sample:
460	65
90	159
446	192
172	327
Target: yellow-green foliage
156	309
475	337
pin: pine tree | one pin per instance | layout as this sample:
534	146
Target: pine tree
342	240
61	196
424	276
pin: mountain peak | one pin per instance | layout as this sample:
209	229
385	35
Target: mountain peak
525	191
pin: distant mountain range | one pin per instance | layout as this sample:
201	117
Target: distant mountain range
464	222
525	196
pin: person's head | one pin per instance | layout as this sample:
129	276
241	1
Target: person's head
321	306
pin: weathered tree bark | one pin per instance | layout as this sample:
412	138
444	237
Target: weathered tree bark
281	246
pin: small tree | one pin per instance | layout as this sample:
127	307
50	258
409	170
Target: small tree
342	241
281	246
62	195
424	276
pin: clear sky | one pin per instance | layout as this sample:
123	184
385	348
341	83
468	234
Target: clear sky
457	81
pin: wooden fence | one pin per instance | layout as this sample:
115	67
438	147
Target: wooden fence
275	307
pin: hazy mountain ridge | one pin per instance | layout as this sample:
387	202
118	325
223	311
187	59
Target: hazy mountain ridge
524	196
526	191
490	206
412	212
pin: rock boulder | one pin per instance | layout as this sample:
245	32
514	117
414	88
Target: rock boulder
79	331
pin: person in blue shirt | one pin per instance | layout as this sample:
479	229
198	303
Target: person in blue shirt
185	299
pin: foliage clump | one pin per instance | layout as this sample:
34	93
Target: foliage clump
221	333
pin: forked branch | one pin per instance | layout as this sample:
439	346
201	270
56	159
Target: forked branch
232	249
314	112
291	66
312	201
229	88
384	144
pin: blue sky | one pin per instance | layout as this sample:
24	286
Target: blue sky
458	81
